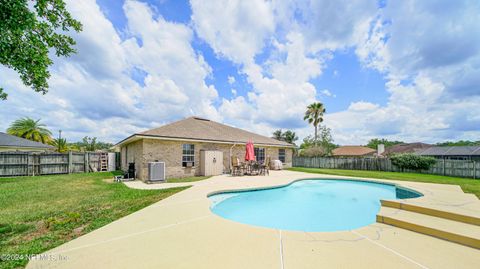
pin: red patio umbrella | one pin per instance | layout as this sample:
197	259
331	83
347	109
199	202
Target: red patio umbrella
249	152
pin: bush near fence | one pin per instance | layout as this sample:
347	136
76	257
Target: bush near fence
34	164
455	168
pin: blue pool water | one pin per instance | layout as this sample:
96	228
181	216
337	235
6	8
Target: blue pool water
309	205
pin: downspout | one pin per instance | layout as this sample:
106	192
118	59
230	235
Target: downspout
230	157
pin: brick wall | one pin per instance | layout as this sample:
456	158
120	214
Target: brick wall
170	152
132	153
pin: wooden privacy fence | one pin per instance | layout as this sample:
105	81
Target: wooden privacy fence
33	164
456	168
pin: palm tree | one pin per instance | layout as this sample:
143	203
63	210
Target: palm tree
278	135
314	115
30	129
290	137
60	144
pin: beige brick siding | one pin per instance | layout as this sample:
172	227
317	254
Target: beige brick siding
170	152
132	153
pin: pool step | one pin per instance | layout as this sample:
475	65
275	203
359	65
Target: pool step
454	231
465	218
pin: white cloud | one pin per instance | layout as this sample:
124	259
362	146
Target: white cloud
327	93
176	73
430	59
334	25
92	93
235	29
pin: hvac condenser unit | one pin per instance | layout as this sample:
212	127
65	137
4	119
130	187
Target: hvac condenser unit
156	171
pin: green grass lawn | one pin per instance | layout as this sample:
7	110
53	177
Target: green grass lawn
40	213
468	185
186	179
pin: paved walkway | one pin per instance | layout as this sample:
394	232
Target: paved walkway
182	232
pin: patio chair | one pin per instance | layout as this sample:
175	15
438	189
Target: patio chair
237	169
264	169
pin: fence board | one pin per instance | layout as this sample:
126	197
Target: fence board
33	164
456	168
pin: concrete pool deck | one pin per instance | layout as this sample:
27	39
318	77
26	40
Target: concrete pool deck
182	232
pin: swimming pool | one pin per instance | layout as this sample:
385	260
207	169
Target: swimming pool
309	205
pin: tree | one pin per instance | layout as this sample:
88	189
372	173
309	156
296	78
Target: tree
314	115
287	136
373	143
278	134
30	129
290	137
60	144
459	143
325	146
326	140
28	32
90	143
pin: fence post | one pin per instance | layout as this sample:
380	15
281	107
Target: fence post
70	162
474	169
87	162
443	165
28	164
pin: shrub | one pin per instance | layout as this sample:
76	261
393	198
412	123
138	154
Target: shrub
313	151
412	161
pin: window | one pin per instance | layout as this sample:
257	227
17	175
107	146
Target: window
259	154
281	155
188	156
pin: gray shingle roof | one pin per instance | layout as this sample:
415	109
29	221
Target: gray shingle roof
7	140
406	148
202	129
451	151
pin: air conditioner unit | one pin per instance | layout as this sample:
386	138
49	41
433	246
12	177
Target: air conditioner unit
156	171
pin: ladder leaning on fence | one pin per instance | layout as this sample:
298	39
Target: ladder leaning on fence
103	161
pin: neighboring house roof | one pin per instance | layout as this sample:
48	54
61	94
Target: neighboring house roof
451	151
12	141
406	148
195	128
353	151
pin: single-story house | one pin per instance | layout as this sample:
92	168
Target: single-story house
15	143
353	151
179	144
405	148
452	152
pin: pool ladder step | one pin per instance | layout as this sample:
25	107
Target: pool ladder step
452	230
470	219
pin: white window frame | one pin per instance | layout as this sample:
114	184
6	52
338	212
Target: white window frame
188	156
257	151
284	155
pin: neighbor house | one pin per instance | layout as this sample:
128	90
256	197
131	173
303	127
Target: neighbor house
15	143
179	144
405	148
452	153
353	151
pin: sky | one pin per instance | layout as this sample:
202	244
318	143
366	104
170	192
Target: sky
404	70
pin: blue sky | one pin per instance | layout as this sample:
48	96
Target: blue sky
404	70
363	84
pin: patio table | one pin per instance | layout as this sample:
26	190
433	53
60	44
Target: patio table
252	168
